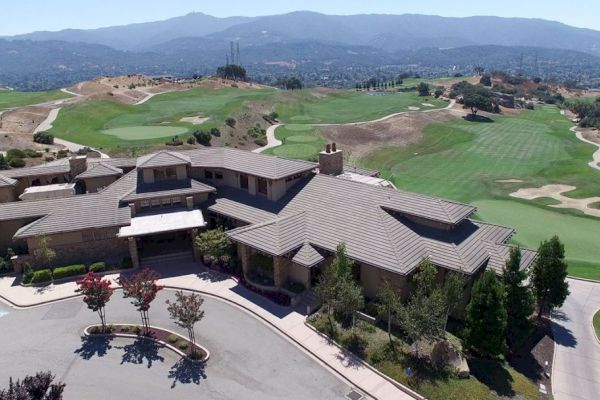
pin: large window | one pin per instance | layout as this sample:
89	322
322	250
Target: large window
171	172
208	174
244	181
262	186
159	174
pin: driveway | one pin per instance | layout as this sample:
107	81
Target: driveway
576	371
248	360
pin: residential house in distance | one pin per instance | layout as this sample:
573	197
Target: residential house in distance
294	213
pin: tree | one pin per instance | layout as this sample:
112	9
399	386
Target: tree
142	289
96	294
388	304
232	71
293	83
438	92
549	276
43	138
519	298
478	69
486	80
452	291
202	137
486	316
213	242
349	299
43	253
3	162
186	311
477	101
422	317
37	387
326	291
423	89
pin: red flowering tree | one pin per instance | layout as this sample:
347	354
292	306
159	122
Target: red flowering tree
186	311
142	289
96	293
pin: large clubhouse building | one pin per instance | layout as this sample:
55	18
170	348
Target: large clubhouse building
295	212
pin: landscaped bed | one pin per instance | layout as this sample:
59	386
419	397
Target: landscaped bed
172	340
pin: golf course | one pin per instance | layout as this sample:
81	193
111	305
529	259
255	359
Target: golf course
10	98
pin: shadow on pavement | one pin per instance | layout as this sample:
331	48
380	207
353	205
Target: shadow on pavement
185	371
142	349
94	346
563	336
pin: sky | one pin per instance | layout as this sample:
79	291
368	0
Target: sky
22	16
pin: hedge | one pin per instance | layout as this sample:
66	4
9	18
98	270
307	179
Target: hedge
69	270
42	275
98	266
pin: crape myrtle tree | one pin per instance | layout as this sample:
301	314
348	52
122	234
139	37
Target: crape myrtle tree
141	288
549	276
486	316
37	387
519	298
389	304
186	311
96	294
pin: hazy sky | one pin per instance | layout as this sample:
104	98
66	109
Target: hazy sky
21	16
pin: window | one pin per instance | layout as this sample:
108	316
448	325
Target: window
166	202
155	203
145	204
218	175
208	174
176	201
171	172
244	181
262	186
159	174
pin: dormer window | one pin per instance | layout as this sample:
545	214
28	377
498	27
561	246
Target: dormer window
171	173
159	174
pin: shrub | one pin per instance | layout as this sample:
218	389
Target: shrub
15	153
137	330
191	140
125	329
173	338
183	345
213	242
32	153
215	132
231	122
69	270
202	137
98	266
43	138
27	273
42	275
16	162
261	141
126	263
62	154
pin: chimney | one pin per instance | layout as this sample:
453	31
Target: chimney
77	165
132	209
331	160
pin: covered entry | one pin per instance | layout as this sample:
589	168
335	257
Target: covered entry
160	233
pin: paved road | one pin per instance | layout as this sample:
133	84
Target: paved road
248	360
576	372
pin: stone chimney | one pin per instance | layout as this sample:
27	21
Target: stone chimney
331	160
77	165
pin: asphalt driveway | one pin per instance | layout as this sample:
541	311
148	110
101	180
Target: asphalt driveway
248	360
576	372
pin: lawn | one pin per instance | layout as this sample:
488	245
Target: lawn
299	141
596	323
463	161
348	106
145	132
9	98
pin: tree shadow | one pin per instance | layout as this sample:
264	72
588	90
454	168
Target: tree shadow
477	118
94	346
560	315
493	375
563	336
140	350
186	371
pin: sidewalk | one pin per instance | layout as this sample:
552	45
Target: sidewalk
284	319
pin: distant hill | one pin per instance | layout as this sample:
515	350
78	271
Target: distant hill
388	32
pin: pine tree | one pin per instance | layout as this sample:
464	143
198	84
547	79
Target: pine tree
486	316
549	276
519	298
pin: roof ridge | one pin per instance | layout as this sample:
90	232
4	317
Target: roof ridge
381	213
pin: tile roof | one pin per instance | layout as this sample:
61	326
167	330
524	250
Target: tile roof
60	166
166	188
6	181
99	169
307	256
162	158
113	162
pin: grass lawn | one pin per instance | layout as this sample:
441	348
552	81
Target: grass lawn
596	323
9	98
486	378
347	106
299	141
462	160
145	132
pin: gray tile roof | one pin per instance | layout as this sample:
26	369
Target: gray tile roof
6	181
361	171
500	255
60	166
166	188
162	159
113	162
307	256
99	169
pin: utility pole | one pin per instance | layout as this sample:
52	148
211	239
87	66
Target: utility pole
231	51
239	62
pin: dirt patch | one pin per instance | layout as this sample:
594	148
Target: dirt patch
593	135
412	108
556	192
196	120
401	130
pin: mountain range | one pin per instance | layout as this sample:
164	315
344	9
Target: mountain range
306	43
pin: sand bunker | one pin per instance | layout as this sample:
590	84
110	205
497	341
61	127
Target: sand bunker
509	181
411	108
556	192
428	104
195	120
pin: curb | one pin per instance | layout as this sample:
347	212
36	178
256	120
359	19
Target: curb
583	279
594	329
133	336
405	389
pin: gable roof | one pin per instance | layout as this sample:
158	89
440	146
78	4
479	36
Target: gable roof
162	158
98	170
166	188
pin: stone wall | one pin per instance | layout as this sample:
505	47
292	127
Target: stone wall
331	163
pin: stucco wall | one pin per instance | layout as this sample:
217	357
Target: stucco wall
299	273
7	230
92	184
372	280
7	194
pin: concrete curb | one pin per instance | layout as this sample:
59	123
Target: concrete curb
405	389
594	329
134	336
583	279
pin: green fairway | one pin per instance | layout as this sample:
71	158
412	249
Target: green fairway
348	106
534	224
299	141
463	161
9	98
145	132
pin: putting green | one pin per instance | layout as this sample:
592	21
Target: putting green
301	139
301	118
145	132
